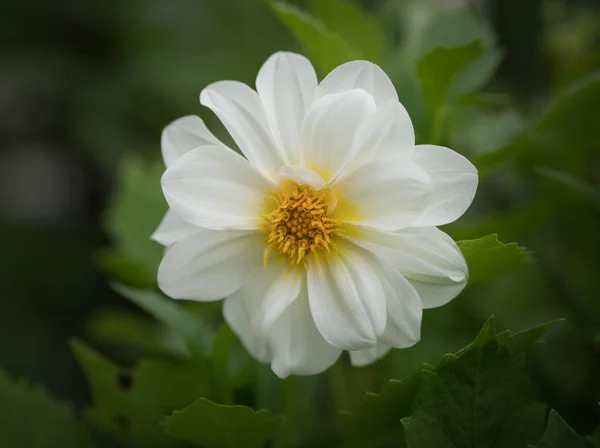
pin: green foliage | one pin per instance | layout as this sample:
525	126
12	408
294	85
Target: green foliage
478	397
576	185
129	404
347	19
135	210
189	326
487	257
560	435
30	418
326	49
211	425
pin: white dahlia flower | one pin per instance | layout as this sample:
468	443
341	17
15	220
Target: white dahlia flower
321	237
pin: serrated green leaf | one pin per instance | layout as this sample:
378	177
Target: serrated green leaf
472	400
375	421
521	342
129	404
212	425
359	29
325	48
171	314
134	212
487	257
438	71
560	435
30	418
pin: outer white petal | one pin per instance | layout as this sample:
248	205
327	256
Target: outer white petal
297	346
209	265
359	75
366	356
280	294
426	256
216	188
404	309
329	129
242	113
346	299
183	135
301	175
287	84
384	194
172	229
454	182
237	311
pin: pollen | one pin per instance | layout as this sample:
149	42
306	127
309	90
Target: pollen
298	224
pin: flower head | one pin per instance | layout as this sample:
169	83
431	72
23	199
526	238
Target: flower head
322	237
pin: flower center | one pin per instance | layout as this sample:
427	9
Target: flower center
298	224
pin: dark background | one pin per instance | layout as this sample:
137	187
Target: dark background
83	82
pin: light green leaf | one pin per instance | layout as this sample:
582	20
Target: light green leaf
560	435
211	425
360	30
481	398
325	48
189	326
438	71
375	422
488	258
135	210
129	404
30	418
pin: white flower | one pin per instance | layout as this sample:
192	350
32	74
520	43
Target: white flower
322	238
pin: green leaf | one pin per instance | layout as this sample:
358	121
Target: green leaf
375	422
129	404
325	48
521	342
221	352
577	185
165	310
560	435
487	257
30	418
478	399
211	425
135	210
438	71
360	30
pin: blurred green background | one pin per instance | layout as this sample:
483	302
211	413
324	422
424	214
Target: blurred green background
87	86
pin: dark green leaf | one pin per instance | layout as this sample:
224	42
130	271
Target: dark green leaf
376	421
326	49
481	398
134	212
30	418
211	425
189	326
560	435
129	404
360	30
488	258
521	342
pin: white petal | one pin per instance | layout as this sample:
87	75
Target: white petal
454	182
359	75
329	129
383	194
366	356
346	299
238	316
404	311
183	135
426	256
209	265
216	188
287	86
297	346
277	298
172	229
242	113
301	175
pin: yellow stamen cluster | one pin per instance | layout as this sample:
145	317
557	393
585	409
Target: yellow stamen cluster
299	224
